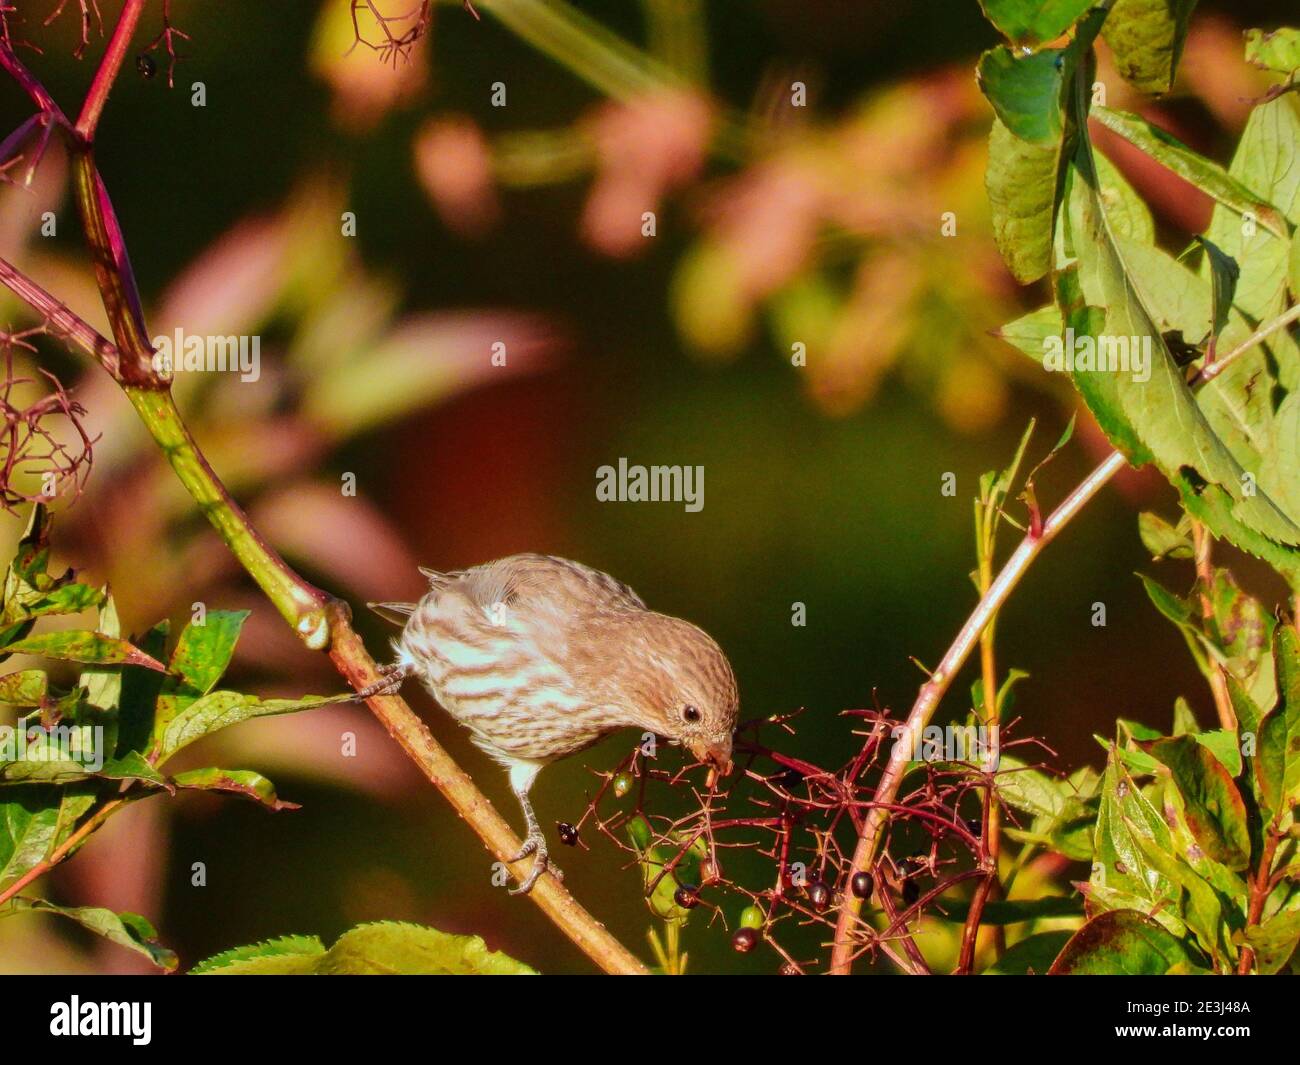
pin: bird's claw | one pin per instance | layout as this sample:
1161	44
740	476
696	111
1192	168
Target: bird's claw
535	844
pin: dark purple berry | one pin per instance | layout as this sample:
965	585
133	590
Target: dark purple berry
686	897
819	896
861	885
145	65
744	940
568	833
789	968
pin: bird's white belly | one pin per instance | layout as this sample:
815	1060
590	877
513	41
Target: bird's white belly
518	705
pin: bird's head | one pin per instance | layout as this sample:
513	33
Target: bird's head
681	686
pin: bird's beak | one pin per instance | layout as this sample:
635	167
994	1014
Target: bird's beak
716	755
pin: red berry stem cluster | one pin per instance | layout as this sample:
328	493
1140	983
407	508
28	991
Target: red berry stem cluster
804	819
36	463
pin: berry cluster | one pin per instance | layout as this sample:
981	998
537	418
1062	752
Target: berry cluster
803	821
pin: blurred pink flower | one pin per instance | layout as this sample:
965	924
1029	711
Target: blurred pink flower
454	164
645	148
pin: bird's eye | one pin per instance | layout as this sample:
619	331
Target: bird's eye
691	714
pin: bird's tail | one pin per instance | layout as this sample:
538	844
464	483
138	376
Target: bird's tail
397	613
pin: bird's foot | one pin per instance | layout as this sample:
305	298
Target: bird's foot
391	675
535	844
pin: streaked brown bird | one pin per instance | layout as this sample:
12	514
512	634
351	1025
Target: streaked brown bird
540	658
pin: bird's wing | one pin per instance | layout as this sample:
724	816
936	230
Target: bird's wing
397	613
539	583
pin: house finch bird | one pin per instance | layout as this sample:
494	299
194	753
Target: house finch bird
540	658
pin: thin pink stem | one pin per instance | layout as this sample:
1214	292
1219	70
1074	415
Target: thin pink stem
109	66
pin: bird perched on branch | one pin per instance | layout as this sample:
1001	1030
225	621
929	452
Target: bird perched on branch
540	657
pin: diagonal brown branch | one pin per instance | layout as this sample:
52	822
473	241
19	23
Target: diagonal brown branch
322	621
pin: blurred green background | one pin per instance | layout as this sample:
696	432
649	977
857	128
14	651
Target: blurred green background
775	225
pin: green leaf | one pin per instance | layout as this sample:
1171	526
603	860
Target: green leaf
1294	270
1146	37
1179	611
1154	417
1277	761
1021	181
1224	275
1134	759
1241	403
221	709
140	690
68	753
104	686
1240	631
237	781
200	658
30	592
1185	723
1007	689
80	646
1267	161
1274	940
29	828
1031	332
392	947
1174	607
1127	212
287	955
1202	914
1034	21
1278	50
1101	899
28	687
1069	832
1259	396
1025	91
1135	730
1032	955
27	569
128	930
1119	862
1212	806
70	802
1221	743
383	948
1121	942
1247	710
70	598
1030	790
1205	174
204	651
